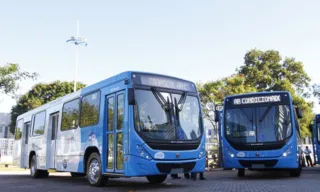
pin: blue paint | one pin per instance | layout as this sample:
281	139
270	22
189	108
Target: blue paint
289	160
135	163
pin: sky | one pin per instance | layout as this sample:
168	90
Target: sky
195	40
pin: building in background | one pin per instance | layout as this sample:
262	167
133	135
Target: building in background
5	120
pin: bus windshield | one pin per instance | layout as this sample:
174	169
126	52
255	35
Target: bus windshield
175	118
258	124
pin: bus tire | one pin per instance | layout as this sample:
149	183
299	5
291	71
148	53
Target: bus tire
295	172
34	171
94	171
75	174
156	179
241	172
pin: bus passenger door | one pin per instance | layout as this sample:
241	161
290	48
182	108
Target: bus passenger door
114	129
54	119
25	155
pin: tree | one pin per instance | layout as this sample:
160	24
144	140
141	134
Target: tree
267	71
40	94
10	76
263	71
216	91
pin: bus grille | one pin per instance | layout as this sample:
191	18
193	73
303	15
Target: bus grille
266	163
166	167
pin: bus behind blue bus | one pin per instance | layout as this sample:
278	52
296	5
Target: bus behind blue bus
131	124
315	130
260	131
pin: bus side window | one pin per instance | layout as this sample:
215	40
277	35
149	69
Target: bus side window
70	115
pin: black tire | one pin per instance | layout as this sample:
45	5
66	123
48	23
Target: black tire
44	174
74	174
295	172
241	172
34	171
156	179
94	176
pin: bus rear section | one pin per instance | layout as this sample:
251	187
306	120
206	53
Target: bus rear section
260	132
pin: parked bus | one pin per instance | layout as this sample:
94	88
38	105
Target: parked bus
131	124
261	131
315	130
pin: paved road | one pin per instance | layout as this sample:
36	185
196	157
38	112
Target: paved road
216	181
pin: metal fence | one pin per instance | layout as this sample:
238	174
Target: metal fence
6	148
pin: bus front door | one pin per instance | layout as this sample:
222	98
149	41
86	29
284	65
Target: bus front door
114	130
25	155
51	156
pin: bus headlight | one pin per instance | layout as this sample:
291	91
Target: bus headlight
202	153
231	154
143	153
287	152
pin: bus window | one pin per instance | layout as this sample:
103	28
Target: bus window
90	107
38	125
27	128
70	115
110	113
120	116
18	130
120	111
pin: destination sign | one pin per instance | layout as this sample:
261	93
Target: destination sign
255	100
164	82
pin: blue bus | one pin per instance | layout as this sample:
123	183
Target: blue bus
260	131
131	124
315	131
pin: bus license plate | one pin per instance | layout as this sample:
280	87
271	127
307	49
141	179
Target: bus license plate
175	171
257	166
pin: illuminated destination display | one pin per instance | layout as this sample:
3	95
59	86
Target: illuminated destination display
164	82
259	99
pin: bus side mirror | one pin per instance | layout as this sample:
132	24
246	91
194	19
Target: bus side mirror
310	127
299	113
131	100
216	116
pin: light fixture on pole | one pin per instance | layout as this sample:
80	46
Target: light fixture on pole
77	41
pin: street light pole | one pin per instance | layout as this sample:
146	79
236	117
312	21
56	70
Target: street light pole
77	41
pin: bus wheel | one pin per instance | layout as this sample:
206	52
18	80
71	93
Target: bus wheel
295	172
34	171
74	174
156	178
241	172
94	171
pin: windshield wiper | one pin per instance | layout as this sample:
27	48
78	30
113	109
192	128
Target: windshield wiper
166	105
181	102
265	114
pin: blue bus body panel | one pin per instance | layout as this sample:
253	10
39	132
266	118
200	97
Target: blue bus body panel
135	164
315	142
240	158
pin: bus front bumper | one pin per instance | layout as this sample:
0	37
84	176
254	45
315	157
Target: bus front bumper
137	166
262	163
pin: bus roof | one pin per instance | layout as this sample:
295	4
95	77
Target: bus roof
108	81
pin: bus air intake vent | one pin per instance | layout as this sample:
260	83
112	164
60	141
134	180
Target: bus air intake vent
266	163
167	167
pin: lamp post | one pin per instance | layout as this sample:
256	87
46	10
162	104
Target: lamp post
77	41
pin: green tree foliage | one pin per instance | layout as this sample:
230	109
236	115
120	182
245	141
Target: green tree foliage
216	91
267	71
264	71
10	76
41	94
